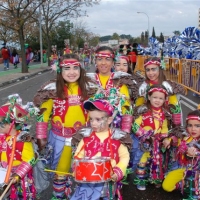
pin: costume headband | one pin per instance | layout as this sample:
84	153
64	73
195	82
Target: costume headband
193	117
158	90
152	62
122	57
106	55
66	63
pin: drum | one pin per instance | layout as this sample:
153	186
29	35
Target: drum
95	170
3	172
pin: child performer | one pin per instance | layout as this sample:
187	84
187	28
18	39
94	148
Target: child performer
151	130
187	175
16	151
101	141
61	104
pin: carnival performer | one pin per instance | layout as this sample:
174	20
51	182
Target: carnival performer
104	58
61	105
154	74
17	155
54	55
122	64
186	177
67	49
100	142
151	130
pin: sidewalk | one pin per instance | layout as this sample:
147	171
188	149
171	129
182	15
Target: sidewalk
15	75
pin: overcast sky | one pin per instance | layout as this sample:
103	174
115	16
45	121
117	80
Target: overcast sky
121	16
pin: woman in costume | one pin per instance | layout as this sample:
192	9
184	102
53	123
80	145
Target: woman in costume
61	105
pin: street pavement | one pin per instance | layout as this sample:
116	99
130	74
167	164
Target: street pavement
14	75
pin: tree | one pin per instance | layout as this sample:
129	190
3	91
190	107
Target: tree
146	38
115	36
153	33
94	41
142	38
177	32
79	34
161	38
52	10
15	15
61	32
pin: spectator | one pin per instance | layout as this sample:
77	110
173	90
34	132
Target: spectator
15	58
6	55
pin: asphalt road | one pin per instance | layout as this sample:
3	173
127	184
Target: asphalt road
27	88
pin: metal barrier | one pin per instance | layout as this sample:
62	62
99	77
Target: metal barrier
183	71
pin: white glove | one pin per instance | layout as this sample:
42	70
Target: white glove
168	87
142	89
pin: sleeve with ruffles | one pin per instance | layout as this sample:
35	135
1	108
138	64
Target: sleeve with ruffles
48	106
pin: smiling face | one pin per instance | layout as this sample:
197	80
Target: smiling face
157	99
121	65
152	72
104	64
71	73
99	120
193	128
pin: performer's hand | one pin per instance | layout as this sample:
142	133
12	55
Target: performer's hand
15	178
41	143
191	151
114	177
166	143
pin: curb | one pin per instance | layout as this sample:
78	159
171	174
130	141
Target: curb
23	77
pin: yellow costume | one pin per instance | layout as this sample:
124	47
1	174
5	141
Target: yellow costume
66	117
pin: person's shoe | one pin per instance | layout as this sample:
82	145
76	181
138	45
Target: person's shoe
4	68
157	185
7	68
141	187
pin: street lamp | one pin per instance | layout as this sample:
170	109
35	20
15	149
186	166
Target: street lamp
148	22
40	26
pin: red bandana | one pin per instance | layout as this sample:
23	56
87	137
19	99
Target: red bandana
106	55
193	117
66	63
152	62
158	90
